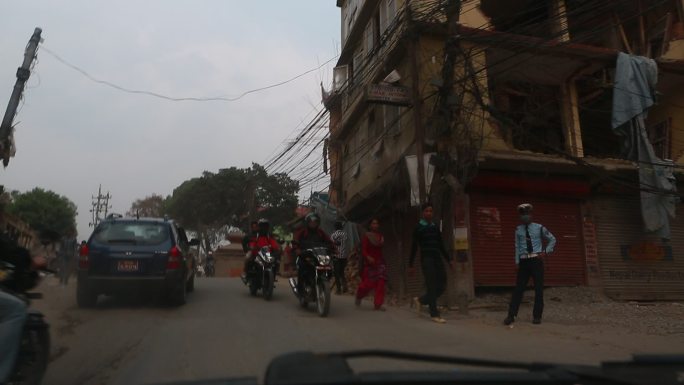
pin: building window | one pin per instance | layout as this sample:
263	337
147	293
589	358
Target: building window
372	35
357	66
530	116
388	11
530	18
659	135
391	11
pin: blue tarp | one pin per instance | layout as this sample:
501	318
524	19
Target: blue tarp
328	214
633	94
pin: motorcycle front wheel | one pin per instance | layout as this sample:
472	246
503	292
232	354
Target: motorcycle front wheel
33	358
323	297
253	287
267	289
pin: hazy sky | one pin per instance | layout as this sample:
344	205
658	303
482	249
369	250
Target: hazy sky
74	134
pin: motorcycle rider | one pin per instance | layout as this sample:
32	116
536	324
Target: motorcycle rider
249	237
263	238
312	236
13	310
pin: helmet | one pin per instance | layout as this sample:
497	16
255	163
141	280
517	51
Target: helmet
313	217
525	208
263	223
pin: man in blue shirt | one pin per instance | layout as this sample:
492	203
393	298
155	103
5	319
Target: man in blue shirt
529	256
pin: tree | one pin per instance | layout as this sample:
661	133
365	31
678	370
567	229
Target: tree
51	215
150	206
207	204
214	202
276	195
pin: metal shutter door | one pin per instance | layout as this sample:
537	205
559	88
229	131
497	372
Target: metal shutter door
619	226
493	218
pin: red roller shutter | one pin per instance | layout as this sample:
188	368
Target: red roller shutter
493	218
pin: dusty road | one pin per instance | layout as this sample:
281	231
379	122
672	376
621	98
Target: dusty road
223	332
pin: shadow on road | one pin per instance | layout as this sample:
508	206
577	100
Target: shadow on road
132	300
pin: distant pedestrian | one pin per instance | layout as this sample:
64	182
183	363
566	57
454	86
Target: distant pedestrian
529	256
374	274
339	238
288	260
428	238
67	257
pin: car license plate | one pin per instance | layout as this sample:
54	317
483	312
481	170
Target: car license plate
323	267
128	266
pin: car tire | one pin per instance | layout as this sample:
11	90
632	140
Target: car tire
85	296
178	295
191	284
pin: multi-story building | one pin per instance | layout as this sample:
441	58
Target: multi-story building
479	105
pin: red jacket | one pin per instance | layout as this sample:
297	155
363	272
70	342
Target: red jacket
261	241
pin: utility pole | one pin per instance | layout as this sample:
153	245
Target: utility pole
447	100
23	73
100	204
417	103
454	205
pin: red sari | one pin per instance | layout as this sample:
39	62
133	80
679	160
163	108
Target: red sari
374	273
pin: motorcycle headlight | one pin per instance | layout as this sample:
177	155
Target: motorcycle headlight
269	258
324	259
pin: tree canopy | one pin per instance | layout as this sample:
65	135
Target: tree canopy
231	197
150	206
51	215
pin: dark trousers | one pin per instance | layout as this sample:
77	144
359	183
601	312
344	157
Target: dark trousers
435	282
65	270
533	267
339	264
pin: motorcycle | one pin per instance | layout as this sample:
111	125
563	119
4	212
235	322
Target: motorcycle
209	268
261	273
312	283
34	348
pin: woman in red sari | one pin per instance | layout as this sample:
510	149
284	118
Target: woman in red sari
374	273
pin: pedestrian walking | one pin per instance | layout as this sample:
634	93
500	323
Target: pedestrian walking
529	256
340	257
67	256
428	237
374	275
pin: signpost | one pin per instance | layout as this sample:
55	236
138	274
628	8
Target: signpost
388	94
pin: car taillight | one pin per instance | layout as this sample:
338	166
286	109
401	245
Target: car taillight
83	260
174	261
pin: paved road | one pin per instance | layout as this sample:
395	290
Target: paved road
223	332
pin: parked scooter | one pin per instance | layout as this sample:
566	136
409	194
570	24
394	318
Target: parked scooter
34	349
261	273
312	283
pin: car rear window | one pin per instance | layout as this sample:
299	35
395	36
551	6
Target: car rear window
139	233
